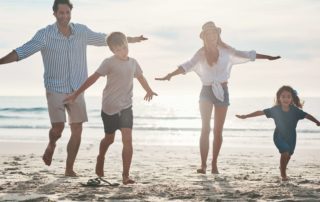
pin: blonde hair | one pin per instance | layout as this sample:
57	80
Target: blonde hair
116	39
212	56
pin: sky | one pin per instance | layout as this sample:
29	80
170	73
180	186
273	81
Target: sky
289	28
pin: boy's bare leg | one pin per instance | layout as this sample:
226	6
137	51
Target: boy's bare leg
206	111
54	134
73	148
104	145
127	155
219	118
284	160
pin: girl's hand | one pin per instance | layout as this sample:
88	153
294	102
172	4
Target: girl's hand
168	77
241	116
273	57
150	95
70	98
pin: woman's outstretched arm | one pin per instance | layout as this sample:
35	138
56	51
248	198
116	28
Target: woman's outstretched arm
178	71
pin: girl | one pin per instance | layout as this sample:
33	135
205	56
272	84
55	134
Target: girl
286	114
213	64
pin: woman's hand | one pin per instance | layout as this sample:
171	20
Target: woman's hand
274	57
167	77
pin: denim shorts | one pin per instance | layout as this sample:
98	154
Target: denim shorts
123	119
206	94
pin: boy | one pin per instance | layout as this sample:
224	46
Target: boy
117	100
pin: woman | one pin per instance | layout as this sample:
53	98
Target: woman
213	63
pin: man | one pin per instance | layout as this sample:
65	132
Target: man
63	49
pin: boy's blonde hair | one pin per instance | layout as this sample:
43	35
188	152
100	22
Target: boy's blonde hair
116	39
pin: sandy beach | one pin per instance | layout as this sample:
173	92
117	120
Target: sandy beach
162	173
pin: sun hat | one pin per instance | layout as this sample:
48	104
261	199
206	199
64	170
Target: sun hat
209	26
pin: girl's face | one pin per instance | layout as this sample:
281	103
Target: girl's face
285	98
211	39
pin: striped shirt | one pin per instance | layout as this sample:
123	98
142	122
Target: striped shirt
64	58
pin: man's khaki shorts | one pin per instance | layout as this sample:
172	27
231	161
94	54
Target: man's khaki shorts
77	112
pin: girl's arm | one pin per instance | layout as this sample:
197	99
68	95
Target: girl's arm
91	80
256	113
178	71
147	88
311	118
260	56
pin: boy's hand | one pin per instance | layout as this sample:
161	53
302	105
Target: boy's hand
167	77
241	116
150	95
70	98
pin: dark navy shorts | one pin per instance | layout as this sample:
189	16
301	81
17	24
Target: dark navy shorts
206	94
123	119
284	145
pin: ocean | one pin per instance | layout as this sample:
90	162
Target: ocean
163	121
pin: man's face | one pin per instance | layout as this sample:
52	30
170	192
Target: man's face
63	14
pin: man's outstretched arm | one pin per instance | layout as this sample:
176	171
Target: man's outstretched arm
11	57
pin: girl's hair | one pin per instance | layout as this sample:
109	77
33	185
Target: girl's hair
57	2
295	99
211	56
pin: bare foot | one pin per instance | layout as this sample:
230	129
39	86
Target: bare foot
127	180
47	156
70	173
214	170
99	166
202	170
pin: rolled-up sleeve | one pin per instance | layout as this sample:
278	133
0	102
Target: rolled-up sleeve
32	46
95	38
239	57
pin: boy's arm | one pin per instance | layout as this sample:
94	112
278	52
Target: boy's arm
136	39
178	71
11	57
91	80
253	114
147	88
311	118
261	56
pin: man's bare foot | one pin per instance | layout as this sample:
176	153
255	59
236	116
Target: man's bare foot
127	180
70	173
202	170
99	166
47	156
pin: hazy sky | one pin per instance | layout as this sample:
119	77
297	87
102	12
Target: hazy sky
289	28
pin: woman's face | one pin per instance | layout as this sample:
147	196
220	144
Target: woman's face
211	38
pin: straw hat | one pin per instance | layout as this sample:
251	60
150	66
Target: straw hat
209	26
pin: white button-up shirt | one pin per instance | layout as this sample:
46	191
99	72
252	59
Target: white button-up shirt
220	71
64	58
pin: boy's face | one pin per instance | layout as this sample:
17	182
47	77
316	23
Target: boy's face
121	51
